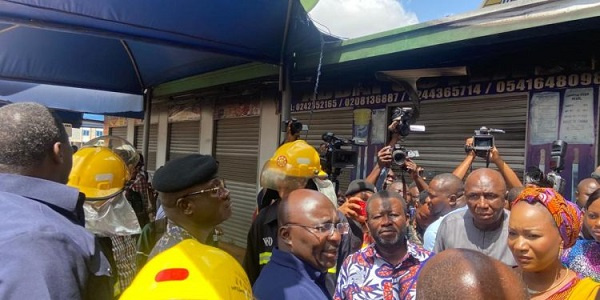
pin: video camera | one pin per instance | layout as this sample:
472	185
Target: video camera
483	141
295	126
405	117
557	164
335	157
400	154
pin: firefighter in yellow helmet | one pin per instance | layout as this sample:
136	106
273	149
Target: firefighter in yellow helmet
294	165
101	169
291	167
190	270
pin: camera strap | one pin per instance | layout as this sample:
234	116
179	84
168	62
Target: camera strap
404	186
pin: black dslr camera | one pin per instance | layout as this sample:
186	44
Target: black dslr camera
400	154
483	141
557	164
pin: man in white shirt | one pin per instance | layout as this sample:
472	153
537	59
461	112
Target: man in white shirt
446	195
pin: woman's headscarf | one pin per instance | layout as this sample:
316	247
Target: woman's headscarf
566	214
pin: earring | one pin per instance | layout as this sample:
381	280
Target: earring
560	251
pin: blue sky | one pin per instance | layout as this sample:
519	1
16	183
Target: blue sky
355	18
427	10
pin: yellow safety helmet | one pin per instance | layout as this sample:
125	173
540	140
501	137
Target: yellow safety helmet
101	167
190	270
292	164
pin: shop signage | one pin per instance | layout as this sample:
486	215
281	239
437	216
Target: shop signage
379	96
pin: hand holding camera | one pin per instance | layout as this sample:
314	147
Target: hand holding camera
413	169
384	157
482	142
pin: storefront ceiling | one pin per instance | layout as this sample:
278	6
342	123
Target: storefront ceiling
481	34
124	47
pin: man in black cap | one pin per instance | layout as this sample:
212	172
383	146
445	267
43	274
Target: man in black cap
194	199
357	194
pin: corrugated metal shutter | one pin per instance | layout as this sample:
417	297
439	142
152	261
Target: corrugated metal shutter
237	152
119	131
336	121
184	139
153	143
449	122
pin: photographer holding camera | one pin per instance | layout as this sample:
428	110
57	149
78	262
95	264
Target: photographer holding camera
386	156
511	178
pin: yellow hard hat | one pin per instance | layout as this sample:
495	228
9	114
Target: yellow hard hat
98	172
190	270
292	162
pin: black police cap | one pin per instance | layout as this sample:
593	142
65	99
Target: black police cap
184	172
359	185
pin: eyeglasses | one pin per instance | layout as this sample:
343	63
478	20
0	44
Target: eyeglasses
216	191
325	228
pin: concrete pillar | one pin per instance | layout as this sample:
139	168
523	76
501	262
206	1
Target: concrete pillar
163	136
269	134
131	131
207	126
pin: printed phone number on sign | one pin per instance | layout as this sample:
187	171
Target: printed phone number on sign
512	85
347	102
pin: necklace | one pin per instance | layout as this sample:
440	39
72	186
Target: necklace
534	292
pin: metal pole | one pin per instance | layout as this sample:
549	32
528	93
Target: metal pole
284	72
286	99
146	137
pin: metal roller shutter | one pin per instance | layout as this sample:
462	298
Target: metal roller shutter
184	139
449	122
336	121
236	150
152	146
119	131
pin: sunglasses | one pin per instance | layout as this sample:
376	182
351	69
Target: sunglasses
217	191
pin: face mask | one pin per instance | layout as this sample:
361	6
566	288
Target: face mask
111	217
326	187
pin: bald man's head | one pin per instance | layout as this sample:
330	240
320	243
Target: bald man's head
468	274
486	174
301	202
584	189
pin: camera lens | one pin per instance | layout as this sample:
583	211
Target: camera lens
399	157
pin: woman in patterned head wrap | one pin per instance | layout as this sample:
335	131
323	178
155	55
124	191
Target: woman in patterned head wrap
542	224
584	257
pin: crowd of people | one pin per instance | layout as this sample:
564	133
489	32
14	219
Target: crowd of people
482	234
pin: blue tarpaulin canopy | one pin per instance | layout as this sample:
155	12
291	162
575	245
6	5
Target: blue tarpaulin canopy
100	56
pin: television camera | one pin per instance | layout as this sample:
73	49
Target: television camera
334	158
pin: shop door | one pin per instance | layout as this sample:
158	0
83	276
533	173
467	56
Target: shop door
236	149
152	145
184	139
449	122
119	132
